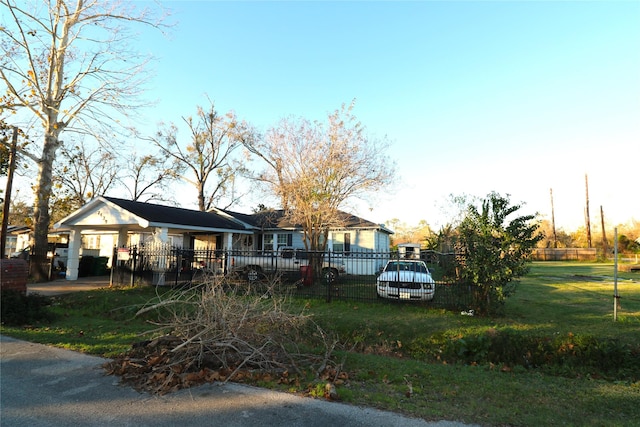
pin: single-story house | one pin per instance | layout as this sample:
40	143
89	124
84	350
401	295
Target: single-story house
107	222
17	239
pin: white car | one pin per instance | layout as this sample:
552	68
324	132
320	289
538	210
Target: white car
406	279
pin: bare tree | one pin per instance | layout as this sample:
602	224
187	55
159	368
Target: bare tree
316	168
146	177
71	66
85	173
208	156
21	212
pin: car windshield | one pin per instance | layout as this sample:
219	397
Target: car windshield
417	267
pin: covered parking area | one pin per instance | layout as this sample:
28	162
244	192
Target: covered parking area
127	223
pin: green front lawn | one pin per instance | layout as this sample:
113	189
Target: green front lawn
435	364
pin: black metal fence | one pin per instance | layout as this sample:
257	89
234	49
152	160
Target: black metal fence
331	276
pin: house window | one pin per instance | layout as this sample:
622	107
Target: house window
12	244
341	242
285	239
271	241
267	242
91	242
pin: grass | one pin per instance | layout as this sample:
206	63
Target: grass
100	322
489	396
394	342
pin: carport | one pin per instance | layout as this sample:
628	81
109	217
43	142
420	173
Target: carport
129	220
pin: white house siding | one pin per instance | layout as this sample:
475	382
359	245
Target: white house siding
107	242
367	245
204	242
382	243
297	239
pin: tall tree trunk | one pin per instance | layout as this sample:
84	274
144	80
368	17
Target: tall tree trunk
201	204
39	269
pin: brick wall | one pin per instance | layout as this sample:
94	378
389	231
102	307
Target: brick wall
14	274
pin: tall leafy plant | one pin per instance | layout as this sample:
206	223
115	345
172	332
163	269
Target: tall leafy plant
494	244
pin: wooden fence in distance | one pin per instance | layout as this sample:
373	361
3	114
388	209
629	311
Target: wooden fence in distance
564	254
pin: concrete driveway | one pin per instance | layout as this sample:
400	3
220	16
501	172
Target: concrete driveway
63	286
47	386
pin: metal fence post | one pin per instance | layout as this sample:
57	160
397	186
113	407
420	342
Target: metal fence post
327	279
134	256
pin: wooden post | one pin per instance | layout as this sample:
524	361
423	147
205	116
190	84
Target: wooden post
587	218
605	244
553	221
615	274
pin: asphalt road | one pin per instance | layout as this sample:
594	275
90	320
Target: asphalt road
47	386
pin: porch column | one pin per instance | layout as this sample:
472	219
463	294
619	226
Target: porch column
73	260
160	235
122	237
227	247
227	241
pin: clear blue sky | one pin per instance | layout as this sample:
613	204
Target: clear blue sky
511	96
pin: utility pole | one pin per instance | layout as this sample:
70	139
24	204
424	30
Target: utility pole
553	221
586	213
605	244
616	297
7	198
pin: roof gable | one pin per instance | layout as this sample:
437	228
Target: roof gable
18	229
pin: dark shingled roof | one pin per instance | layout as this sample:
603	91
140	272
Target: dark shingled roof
275	218
176	216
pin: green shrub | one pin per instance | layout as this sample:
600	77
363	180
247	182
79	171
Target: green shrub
20	309
567	355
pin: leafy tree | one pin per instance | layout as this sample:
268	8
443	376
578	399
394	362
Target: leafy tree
444	243
563	239
6	139
71	66
315	168
404	233
208	156
5	143
494	245
627	245
20	213
579	238
444	240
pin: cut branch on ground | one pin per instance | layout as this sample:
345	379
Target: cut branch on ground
220	331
